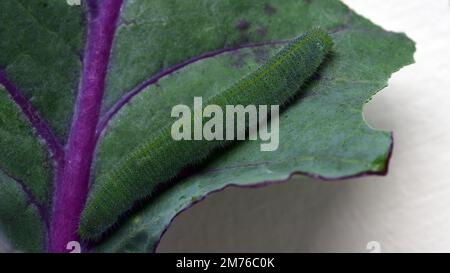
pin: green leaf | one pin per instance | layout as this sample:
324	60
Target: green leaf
165	52
40	48
154	35
27	162
40	54
322	134
135	177
20	222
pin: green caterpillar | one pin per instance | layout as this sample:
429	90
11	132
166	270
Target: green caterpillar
162	158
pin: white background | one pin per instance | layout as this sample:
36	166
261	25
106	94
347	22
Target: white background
408	210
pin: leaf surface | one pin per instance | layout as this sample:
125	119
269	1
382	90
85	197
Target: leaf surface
20	221
27	162
165	52
322	133
40	49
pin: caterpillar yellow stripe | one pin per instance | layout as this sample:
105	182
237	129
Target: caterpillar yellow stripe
162	158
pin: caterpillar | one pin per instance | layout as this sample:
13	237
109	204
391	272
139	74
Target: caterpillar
162	158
